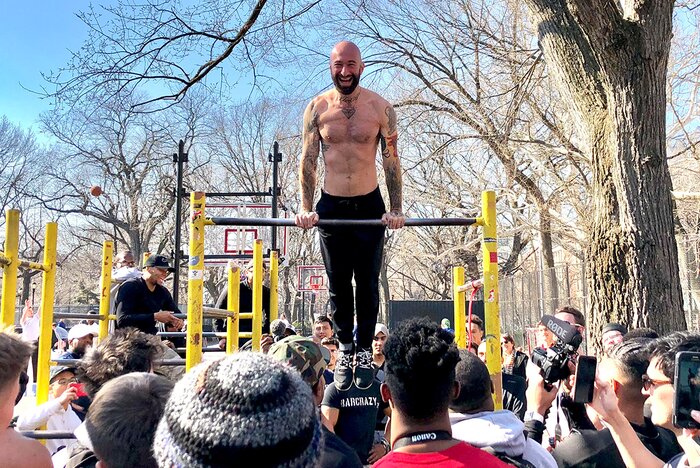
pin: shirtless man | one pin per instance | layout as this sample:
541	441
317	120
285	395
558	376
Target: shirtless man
346	124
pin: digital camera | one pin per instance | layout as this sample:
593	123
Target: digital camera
554	361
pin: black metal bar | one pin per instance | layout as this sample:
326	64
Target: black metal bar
180	159
204	350
71	315
162	362
276	158
46	435
342	222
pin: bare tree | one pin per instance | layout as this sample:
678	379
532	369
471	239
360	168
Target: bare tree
609	60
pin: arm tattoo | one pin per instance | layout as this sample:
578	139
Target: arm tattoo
309	158
391	115
392	172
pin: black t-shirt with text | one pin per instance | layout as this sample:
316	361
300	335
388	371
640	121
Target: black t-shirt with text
357	415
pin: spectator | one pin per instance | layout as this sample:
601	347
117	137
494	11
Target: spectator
624	369
513	388
420	383
545	337
125	267
514	361
323	328
352	416
658	384
123	419
79	341
445	325
612	335
123	352
474	348
141	302
640	333
305	356
245	409
475	421
381	333
17	451
332	345
30	334
57	413
245	301
476	330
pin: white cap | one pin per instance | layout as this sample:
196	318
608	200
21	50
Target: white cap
81	330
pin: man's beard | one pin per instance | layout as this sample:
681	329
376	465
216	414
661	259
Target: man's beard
346	89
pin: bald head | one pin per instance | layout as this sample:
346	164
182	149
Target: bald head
346	67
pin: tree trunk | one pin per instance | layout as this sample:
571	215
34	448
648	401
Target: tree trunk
610	64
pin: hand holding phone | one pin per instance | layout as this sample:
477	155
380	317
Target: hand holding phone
686	381
584	380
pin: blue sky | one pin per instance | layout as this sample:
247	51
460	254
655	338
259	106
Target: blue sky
35	37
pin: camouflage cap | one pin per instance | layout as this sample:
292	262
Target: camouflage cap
302	354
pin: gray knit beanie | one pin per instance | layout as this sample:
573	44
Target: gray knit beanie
243	410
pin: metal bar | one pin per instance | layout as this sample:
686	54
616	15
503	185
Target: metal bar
9	277
204	350
492	322
76	362
77	316
195	280
245	316
460	322
212	312
238	194
275	164
233	304
257	293
248	335
184	334
340	222
4	260
105	287
274	285
180	159
48	288
31	265
46	435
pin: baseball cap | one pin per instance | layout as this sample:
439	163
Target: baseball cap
380	327
55	370
302	354
614	327
81	330
158	261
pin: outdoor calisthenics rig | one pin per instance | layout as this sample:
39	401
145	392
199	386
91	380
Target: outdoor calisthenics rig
195	290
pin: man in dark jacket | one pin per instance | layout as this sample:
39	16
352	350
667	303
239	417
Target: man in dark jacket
624	367
141	302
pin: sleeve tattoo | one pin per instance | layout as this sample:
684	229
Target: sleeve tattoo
309	157
390	159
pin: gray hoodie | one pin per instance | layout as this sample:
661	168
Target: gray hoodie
502	431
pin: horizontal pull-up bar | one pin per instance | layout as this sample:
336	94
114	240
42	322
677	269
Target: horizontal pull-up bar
5	260
45	435
74	315
343	222
76	362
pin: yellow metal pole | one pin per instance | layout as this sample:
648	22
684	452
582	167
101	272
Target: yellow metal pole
490	265
144	257
257	293
234	305
48	288
460	316
9	278
105	286
274	286
195	281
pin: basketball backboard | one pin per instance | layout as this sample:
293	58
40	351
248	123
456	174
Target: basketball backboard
312	278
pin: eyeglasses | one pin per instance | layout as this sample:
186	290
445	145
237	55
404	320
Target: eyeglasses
65	381
649	383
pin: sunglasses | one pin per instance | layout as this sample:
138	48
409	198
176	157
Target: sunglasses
650	383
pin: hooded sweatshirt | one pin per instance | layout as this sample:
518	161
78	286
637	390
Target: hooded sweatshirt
502	431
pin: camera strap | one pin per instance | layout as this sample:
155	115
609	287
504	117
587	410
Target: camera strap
421	437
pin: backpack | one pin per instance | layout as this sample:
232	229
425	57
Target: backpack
517	461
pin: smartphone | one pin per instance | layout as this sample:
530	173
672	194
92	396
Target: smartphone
686	381
80	392
585	378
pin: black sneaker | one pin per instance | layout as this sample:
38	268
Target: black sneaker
364	374
342	375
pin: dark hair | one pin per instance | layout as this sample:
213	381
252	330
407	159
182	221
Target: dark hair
665	348
578	315
474	383
126	350
508	338
640	333
473	346
323	318
14	355
632	358
124	416
477	320
23	381
420	368
330	340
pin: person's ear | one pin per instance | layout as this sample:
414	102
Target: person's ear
456	389
386	395
615	385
